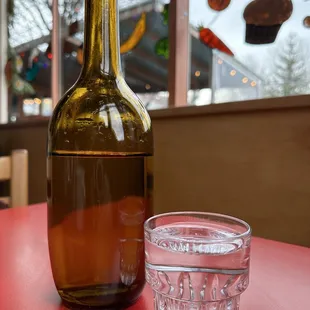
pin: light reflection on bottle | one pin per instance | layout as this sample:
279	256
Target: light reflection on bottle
131	218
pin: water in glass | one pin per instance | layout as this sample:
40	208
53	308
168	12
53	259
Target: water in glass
197	261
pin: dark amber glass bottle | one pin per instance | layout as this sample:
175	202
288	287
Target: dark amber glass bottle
100	145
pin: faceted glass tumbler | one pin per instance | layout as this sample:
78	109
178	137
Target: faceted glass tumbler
197	261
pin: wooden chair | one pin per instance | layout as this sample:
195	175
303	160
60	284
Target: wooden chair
15	169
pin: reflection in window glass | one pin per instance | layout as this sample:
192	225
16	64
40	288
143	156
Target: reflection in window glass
29	67
29	60
47	107
143	32
146	64
224	67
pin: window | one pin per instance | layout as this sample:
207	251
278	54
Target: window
29	61
224	68
146	65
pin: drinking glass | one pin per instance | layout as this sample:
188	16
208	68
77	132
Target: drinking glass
197	261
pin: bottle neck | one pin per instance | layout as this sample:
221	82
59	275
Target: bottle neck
101	38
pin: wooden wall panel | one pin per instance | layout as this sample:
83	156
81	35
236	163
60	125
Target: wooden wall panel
252	165
32	138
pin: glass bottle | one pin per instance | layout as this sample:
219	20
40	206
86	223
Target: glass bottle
100	144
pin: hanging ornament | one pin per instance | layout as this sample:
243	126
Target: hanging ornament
211	40
32	72
218	5
128	45
136	36
162	47
21	87
33	57
264	19
79	56
165	14
13	69
18	84
306	22
19	64
14	64
8	71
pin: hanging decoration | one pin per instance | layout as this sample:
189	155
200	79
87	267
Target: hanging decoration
207	37
13	70
264	19
14	65
79	56
19	63
136	36
165	14
8	70
128	45
219	5
306	22
162	47
32	72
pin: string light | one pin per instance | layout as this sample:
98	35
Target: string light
197	73
147	86
233	72
253	84
220	61
245	80
49	56
37	101
28	101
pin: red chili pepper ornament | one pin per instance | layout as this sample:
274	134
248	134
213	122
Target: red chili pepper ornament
211	40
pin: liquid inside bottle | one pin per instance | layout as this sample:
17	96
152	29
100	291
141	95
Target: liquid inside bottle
100	147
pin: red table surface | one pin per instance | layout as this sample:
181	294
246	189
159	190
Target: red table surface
280	273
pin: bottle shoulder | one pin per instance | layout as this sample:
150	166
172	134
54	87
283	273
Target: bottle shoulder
102	115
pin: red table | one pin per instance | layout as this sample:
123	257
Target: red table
280	273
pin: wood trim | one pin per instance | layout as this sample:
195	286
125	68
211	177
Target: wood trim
252	106
5	168
19	178
3	60
178	74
